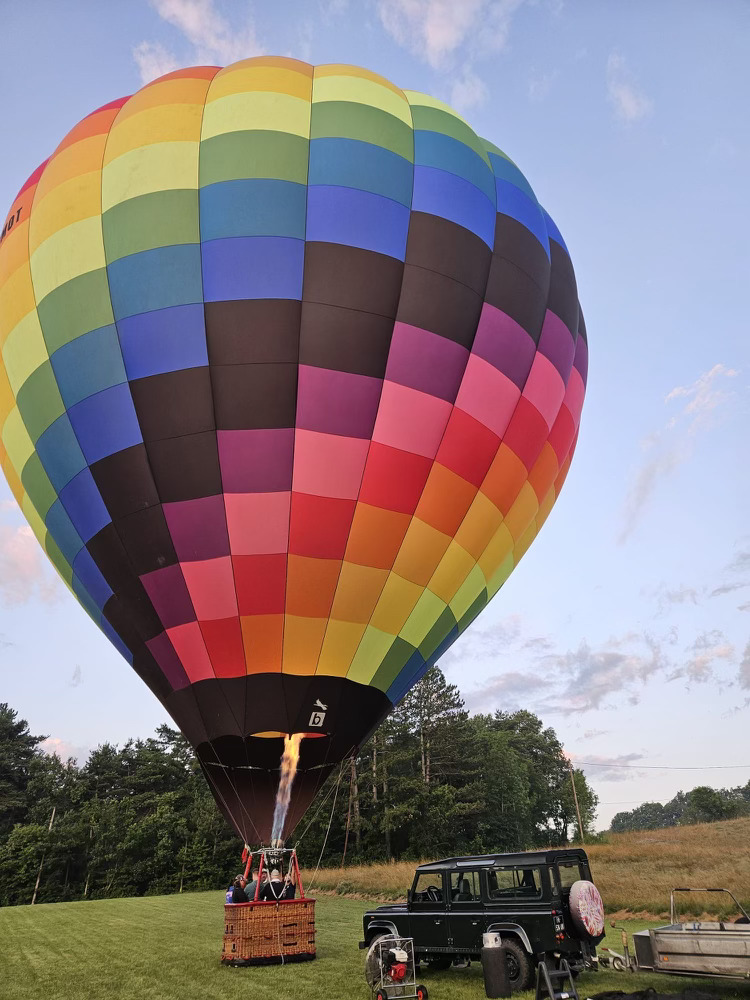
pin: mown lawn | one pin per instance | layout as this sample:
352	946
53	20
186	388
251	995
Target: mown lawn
168	947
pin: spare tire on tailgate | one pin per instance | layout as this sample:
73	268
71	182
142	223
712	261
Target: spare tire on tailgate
586	909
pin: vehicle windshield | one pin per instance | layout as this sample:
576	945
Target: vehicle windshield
514	882
428	888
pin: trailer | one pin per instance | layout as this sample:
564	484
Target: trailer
696	948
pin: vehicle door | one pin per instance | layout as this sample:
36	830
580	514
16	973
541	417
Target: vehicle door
428	915
515	894
567	871
465	911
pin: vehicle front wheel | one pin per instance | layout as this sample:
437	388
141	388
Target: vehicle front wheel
519	965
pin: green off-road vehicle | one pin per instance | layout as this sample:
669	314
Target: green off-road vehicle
543	904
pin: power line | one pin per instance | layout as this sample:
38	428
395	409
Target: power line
623	802
664	767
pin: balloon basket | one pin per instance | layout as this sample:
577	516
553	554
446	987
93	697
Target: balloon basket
269	933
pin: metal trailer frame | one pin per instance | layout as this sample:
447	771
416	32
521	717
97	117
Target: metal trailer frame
698	948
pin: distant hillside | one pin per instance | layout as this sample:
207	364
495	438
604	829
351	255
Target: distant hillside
700	805
634	871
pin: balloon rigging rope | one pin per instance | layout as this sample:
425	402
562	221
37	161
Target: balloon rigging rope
237	795
244	809
323	801
330	821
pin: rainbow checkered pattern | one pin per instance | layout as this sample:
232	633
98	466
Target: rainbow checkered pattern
292	370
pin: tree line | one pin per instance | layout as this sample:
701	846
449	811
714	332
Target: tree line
701	805
140	819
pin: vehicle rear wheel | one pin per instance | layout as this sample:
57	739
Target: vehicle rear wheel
519	965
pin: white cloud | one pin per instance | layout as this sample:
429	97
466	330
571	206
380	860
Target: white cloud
153	61
728	588
483	639
435	30
593	734
597	678
671	446
468	91
432	29
744	674
741	561
703	395
54	746
211	37
708	649
24	572
451	33
505	691
649	476
629	102
525	670
669	596
618	768
579	680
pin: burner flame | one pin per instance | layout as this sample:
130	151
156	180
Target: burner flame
289	761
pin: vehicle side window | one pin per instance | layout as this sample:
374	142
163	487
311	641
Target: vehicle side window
464	887
570	872
428	888
504	883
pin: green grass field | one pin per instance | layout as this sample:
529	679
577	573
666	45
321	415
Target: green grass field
168	947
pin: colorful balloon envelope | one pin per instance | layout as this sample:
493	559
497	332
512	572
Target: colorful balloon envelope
292	369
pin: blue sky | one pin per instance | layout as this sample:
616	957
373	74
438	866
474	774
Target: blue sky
627	625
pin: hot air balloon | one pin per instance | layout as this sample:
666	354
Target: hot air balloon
292	370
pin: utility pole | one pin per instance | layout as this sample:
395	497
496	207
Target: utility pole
44	854
575	799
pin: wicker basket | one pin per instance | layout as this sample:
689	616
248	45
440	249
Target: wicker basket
264	933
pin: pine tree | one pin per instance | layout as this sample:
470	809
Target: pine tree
18	750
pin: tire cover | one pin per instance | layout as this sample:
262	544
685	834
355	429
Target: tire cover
587	908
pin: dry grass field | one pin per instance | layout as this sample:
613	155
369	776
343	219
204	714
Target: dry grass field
634	871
